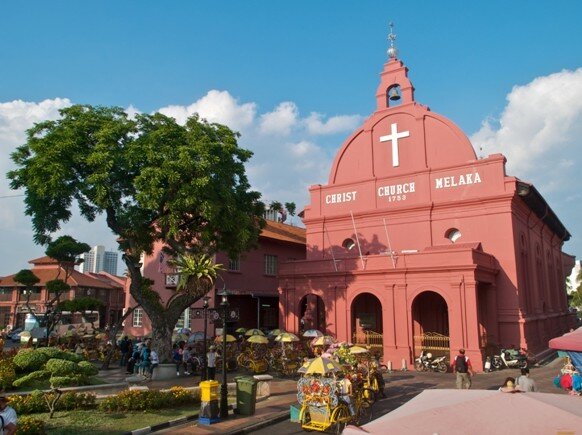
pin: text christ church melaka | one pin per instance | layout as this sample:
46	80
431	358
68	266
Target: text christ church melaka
416	243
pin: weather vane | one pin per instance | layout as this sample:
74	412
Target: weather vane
392	51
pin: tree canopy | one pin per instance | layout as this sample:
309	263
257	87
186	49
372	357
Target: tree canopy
155	181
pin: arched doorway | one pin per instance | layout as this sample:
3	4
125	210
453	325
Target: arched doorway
430	324
312	313
367	325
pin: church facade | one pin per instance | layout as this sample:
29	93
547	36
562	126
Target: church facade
416	244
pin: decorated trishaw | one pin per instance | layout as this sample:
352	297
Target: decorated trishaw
322	408
253	355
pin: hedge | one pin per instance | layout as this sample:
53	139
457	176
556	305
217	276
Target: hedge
30	426
34	376
61	367
87	368
35	402
146	400
7	373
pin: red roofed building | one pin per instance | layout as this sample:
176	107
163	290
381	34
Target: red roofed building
416	244
251	280
103	286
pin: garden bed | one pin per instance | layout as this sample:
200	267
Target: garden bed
97	422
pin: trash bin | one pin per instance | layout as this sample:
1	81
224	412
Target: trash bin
246	395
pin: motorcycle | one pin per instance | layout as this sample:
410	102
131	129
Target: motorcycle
509	359
425	363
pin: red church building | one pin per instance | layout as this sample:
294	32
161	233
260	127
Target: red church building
416	243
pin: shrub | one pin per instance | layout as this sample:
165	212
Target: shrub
61	367
71	400
87	368
30	426
67	381
71	356
29	360
51	352
35	402
34	376
146	400
7	373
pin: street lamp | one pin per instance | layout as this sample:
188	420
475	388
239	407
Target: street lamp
204	375
224	387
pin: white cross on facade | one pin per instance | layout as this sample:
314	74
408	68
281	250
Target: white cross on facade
394	136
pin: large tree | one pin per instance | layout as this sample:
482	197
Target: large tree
155	181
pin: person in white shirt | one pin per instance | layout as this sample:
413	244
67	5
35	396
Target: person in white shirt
211	363
8	417
154	362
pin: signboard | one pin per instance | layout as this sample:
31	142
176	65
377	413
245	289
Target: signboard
215	314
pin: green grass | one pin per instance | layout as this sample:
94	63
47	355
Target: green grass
96	422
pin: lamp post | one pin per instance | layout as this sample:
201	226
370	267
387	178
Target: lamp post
223	387
204	375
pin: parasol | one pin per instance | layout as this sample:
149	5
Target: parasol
286	337
197	336
254	331
312	333
358	349
241	330
322	366
229	339
276	332
258	339
326	340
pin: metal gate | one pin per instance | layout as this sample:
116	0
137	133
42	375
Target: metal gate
371	339
432	342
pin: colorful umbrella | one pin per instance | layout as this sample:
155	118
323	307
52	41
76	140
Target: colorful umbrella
258	339
197	336
313	333
305	365
184	331
241	330
322	366
326	340
286	337
229	339
254	331
276	332
358	349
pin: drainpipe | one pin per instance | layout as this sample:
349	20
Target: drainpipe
258	298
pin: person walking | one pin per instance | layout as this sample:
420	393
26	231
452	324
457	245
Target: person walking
211	362
124	347
525	383
8	418
462	368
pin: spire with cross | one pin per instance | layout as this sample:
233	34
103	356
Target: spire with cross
392	51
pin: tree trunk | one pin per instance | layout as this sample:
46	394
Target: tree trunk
162	340
113	332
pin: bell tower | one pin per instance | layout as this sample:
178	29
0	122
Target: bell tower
395	88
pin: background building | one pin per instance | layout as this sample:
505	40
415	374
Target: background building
251	280
99	260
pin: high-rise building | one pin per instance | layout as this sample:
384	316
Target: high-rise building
99	260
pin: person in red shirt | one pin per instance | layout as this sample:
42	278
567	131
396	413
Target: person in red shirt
462	368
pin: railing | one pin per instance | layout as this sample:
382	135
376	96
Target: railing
433	342
371	339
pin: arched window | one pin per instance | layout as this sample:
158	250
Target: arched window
453	234
348	244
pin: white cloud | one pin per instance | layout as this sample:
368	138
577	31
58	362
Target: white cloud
336	124
541	124
215	106
281	120
539	132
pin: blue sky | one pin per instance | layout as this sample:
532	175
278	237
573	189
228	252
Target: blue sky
300	75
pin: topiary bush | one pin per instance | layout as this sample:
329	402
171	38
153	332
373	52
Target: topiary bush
67	381
87	368
34	376
51	352
30	426
29	360
62	367
7	373
71	356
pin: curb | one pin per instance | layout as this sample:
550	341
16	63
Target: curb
165	425
278	417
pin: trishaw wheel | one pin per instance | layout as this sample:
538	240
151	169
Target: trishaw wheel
369	395
339	418
364	413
